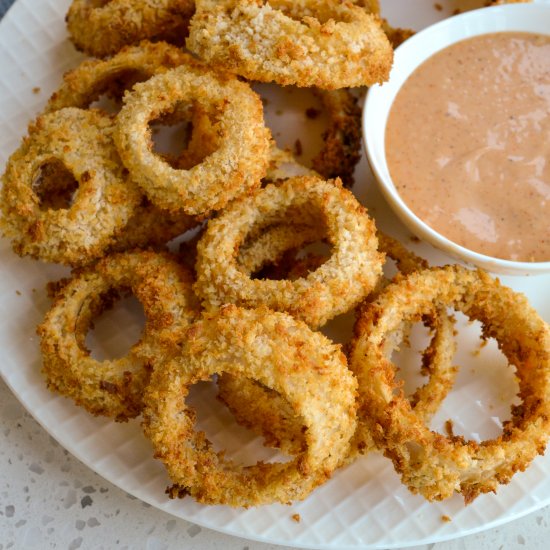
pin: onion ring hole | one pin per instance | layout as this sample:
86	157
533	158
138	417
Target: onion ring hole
116	329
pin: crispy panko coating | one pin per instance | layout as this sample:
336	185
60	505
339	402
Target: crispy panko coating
341	149
102	27
266	412
235	167
284	355
114	387
432	464
102	204
307	43
338	285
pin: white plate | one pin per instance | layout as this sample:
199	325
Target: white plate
364	506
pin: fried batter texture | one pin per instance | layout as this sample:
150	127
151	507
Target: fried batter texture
328	44
102	27
341	148
115	388
281	353
338	285
102	204
268	414
235	167
431	464
93	77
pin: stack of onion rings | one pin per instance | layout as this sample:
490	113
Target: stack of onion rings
307	369
265	412
114	387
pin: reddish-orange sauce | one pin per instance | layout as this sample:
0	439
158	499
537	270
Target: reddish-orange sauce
468	144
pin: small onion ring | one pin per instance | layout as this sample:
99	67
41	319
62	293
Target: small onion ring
114	387
307	368
102	27
234	168
337	286
430	463
328	45
93	77
102	205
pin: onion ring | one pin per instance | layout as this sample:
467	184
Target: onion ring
102	205
102	27
93	77
234	168
114	387
341	149
268	414
309	370
430	463
337	286
323	44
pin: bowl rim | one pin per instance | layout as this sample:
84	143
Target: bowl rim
410	55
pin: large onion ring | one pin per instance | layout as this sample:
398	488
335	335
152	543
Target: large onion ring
338	285
235	167
307	369
102	27
102	205
303	42
114	387
430	463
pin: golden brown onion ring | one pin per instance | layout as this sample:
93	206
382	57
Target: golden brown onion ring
93	77
114	387
341	148
235	167
102	27
307	369
429	463
102	204
328	45
337	286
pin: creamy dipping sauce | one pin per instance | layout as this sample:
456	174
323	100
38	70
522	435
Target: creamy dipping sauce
468	144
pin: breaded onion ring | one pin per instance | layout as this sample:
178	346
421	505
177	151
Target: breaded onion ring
93	77
307	369
114	387
102	204
235	167
102	27
338	285
303	42
266	412
430	463
341	148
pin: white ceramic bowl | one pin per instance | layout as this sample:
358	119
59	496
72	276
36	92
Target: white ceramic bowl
512	17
